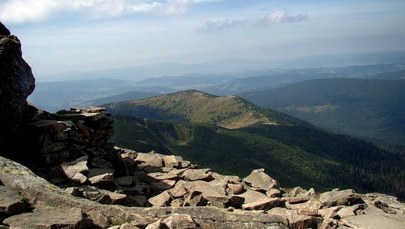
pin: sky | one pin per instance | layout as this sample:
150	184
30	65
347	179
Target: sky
83	35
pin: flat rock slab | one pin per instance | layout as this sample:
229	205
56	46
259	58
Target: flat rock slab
261	181
50	218
11	202
376	219
337	197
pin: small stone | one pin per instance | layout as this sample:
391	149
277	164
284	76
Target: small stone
235	188
297	191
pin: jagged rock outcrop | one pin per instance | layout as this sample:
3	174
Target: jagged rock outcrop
16	84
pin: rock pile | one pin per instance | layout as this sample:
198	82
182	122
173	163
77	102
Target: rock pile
70	134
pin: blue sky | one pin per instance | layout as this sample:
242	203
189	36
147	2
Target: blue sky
76	35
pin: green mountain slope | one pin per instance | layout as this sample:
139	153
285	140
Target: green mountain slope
372	109
200	128
295	155
194	106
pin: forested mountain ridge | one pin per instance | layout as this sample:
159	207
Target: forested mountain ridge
292	150
372	109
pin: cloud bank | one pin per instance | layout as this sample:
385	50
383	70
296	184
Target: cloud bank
23	11
277	17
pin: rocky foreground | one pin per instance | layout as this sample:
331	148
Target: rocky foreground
77	179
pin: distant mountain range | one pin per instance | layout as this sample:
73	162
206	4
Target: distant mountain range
372	109
232	135
275	78
57	95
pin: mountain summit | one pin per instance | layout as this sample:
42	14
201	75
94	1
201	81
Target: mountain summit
229	112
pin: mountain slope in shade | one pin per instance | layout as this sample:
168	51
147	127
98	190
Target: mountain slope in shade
372	109
295	154
194	106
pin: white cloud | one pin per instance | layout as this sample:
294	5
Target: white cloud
274	18
218	25
22	11
281	16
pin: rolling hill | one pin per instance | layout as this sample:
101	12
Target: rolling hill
289	149
371	109
194	106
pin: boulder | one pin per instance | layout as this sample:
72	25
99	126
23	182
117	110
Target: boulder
161	200
297	191
102	178
173	161
99	219
213	191
49	218
180	221
193	199
259	180
70	169
178	190
156	225
153	160
94	194
235	189
274	192
350	210
253	196
197	174
79	178
337	197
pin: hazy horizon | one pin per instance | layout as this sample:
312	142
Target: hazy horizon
88	35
